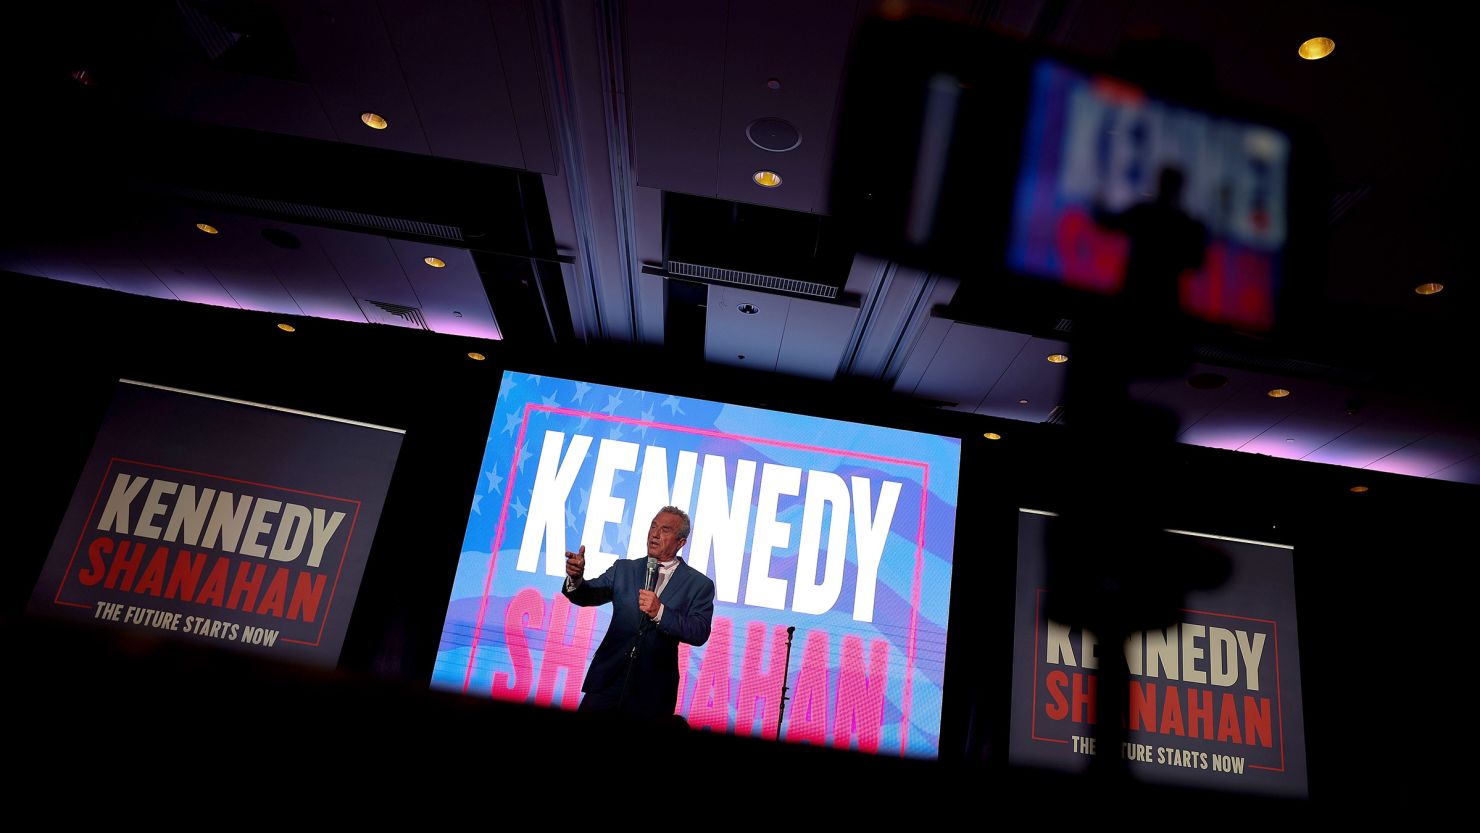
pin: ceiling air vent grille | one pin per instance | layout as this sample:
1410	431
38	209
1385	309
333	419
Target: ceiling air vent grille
755	280
316	214
408	315
1056	416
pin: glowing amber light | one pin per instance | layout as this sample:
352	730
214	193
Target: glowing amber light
1279	393
434	262
207	228
374	121
1429	288
992	435
1317	48
477	357
1058	358
288	328
1359	489
767	179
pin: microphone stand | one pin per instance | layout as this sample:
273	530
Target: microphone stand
785	671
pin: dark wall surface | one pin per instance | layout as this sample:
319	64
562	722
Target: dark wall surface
1380	580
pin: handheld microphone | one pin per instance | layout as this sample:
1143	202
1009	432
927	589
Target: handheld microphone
652	574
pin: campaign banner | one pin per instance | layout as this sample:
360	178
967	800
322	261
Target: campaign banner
224	523
1097	145
1214	699
841	530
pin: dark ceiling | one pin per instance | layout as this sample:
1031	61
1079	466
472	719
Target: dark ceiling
582	169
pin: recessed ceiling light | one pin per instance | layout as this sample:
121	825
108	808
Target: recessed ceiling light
1317	48
1279	393
288	328
749	309
1022	401
1429	288
477	357
434	262
992	435
767	179
1058	358
207	228
374	121
1359	489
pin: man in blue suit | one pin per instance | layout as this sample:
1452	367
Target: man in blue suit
635	669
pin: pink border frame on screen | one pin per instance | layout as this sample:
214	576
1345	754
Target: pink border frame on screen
708	432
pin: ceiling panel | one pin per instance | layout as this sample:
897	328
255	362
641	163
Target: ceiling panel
123	271
1465	471
968	363
236	258
367	264
56	267
803	46
1032	377
675	70
450	58
1428	456
253	102
344	48
816	335
1318	417
921	354
1189	403
452	298
736	338
1365	444
311	279
521	59
1245	414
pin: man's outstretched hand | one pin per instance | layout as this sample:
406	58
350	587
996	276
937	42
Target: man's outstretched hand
575	563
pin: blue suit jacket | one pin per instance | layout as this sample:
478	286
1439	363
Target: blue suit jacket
688	607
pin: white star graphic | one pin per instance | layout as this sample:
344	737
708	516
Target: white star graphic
536	380
581	388
550	401
647	416
511	421
672	404
524	454
585	497
493	480
581	426
519	507
570	518
476	500
612	402
509	384
615	433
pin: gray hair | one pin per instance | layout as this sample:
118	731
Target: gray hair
683	533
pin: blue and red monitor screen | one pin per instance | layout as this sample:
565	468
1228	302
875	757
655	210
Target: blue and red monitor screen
842	530
1093	142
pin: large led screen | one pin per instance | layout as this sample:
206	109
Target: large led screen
1214	698
1093	153
841	530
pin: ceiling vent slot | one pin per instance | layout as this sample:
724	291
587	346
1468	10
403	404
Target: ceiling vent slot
1065	325
1055	416
398	315
319	215
754	280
